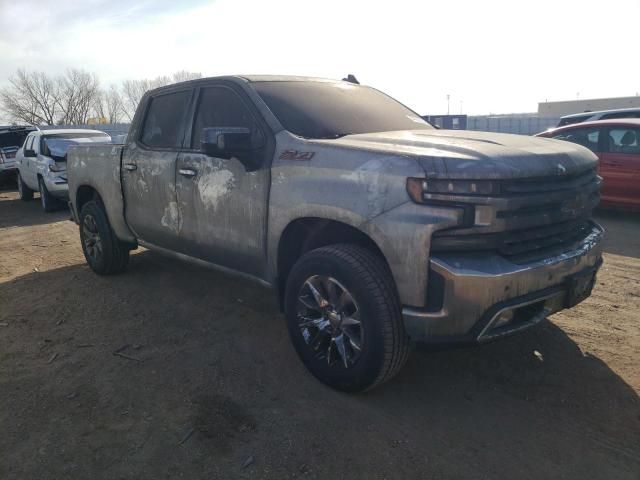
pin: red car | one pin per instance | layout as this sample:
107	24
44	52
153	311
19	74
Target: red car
617	145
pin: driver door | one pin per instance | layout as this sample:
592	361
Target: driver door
223	206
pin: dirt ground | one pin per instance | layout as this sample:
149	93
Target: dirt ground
174	371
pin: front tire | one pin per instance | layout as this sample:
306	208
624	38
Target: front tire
104	252
49	203
344	319
25	193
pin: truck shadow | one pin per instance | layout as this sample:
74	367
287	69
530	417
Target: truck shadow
190	333
16	213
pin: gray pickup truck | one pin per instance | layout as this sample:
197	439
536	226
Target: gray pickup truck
375	230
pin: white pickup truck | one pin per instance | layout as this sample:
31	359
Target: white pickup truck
42	163
375	230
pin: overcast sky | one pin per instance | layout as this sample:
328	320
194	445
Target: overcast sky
489	56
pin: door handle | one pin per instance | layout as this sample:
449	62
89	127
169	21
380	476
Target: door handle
187	172
130	166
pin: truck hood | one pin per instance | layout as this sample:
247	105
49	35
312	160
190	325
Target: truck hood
476	155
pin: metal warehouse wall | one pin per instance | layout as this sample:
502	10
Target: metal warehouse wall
521	124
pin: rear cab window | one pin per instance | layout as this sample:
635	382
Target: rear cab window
164	121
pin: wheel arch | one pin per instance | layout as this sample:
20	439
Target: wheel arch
84	194
115	213
308	233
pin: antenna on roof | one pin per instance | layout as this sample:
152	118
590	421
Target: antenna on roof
351	79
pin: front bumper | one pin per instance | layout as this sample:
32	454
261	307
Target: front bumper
8	168
57	185
480	291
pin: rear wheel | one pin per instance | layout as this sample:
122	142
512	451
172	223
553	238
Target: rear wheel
104	252
48	201
25	193
343	316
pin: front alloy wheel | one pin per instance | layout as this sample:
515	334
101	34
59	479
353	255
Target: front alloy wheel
343	317
329	320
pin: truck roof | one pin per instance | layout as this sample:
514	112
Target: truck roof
59	131
249	79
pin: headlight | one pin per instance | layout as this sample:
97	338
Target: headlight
419	189
57	167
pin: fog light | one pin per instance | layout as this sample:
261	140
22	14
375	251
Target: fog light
503	318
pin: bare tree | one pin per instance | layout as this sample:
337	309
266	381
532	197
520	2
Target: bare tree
31	97
133	90
34	97
183	76
115	106
78	91
109	105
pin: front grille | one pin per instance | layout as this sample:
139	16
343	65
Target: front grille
550	184
537	219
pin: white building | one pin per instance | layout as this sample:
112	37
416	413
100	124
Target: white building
559	109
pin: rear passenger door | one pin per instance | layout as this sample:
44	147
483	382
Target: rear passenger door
620	162
149	170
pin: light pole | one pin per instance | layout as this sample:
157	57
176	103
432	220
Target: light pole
448	103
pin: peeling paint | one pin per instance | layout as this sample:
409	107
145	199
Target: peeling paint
214	185
369	176
171	217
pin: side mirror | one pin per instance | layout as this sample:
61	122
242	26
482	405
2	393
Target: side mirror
229	142
30	153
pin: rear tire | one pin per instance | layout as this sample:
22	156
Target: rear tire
104	252
49	202
346	291
25	193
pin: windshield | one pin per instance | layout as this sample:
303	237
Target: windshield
334	109
58	145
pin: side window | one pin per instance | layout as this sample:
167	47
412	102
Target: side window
587	137
29	142
621	115
623	140
164	119
220	107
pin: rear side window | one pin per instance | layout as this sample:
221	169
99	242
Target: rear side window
164	120
220	107
29	143
609	116
574	120
587	137
623	140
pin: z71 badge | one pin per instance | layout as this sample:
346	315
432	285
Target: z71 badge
296	155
